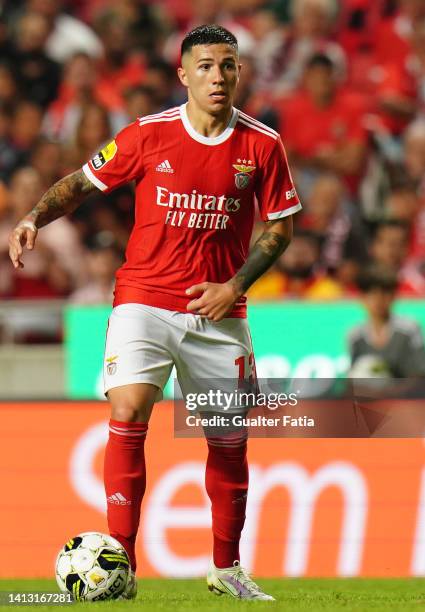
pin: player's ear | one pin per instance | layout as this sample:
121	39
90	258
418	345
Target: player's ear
239	70
181	73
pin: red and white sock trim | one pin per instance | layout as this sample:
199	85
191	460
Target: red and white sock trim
135	430
231	441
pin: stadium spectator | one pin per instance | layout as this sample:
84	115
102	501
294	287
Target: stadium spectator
45	275
160	76
393	37
120	66
103	259
62	242
386	346
115	216
67	35
248	99
389	248
37	75
47	159
311	32
146	23
139	102
412	173
357	24
334	137
269	35
9	93
25	128
5	51
297	274
92	133
413	156
79	87
399	92
330	215
405	204
394	167
10	157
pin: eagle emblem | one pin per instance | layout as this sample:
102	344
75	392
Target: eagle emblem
244	173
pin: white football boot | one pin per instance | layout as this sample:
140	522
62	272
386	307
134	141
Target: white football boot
130	590
234	581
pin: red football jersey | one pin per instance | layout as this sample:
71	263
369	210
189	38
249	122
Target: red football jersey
194	201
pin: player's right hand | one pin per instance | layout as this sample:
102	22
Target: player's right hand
23	235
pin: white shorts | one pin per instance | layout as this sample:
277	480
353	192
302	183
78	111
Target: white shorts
143	343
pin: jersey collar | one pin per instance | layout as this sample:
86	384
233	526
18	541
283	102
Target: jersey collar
211	141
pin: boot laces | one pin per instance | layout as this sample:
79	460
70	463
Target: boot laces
244	578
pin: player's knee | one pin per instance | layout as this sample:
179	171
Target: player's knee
131	405
126	413
129	412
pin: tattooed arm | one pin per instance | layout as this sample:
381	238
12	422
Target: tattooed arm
218	299
270	245
61	199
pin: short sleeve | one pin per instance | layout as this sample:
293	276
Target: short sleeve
275	191
119	162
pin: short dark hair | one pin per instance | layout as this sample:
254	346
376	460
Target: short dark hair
376	276
309	235
135	90
161	65
392	223
320	59
208	35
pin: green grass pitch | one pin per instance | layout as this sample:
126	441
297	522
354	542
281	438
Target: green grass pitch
351	594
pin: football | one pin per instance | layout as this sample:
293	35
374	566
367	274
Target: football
92	567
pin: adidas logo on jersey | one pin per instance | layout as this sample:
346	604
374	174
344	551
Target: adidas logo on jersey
165	166
118	499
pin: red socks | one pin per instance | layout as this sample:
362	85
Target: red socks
125	481
226	481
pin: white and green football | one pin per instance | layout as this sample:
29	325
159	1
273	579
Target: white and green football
92	567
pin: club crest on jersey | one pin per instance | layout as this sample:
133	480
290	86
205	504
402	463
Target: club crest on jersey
243	175
105	155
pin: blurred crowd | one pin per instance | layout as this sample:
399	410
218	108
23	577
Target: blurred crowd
342	81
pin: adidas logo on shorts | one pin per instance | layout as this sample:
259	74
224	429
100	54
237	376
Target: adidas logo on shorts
165	166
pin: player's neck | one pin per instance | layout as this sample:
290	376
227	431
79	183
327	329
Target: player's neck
206	124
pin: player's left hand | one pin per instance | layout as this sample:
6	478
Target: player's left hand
216	301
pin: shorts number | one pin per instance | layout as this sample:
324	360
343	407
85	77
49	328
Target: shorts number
242	366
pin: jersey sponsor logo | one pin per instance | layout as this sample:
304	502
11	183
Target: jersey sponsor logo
243	175
105	155
196	201
165	166
291	194
202	211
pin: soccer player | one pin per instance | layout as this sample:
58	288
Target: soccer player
179	297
